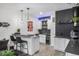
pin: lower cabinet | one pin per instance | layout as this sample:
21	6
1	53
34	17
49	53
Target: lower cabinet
70	54
42	38
60	44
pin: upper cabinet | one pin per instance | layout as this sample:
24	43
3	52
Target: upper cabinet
64	16
64	23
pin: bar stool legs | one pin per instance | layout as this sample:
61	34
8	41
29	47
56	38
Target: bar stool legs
20	46
16	46
27	48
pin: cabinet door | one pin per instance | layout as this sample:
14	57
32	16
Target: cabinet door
70	54
35	45
42	38
59	44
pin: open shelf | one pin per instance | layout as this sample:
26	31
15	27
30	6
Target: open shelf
65	23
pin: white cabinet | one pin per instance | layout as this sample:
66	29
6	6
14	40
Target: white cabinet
60	44
52	41
42	38
35	45
70	54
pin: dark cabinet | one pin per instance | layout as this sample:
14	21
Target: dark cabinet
44	24
45	31
64	23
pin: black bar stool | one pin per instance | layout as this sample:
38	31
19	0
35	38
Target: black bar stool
19	40
14	40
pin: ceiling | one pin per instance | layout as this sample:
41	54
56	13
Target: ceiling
35	8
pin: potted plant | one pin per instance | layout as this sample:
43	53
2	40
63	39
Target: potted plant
7	53
75	20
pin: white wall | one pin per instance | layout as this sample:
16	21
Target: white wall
12	16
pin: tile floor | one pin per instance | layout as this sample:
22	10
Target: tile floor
46	50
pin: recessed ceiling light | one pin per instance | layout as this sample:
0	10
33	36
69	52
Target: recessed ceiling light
41	13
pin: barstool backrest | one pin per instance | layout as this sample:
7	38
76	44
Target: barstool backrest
18	39
12	38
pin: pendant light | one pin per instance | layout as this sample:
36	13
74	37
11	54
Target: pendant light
21	14
28	13
30	22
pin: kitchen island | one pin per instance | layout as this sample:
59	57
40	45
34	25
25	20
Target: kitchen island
32	46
